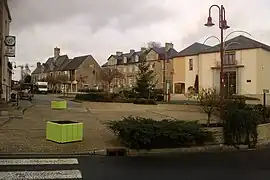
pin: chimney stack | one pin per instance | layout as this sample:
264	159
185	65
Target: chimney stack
119	53
132	51
56	53
38	64
168	46
143	49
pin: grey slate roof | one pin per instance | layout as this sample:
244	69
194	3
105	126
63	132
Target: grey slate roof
193	49
76	62
131	58
51	65
244	43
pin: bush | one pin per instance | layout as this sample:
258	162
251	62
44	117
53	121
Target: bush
102	97
240	124
90	90
145	101
146	133
244	97
128	94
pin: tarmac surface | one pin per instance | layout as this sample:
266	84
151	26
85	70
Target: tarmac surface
248	165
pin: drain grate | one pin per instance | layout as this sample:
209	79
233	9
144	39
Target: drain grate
117	152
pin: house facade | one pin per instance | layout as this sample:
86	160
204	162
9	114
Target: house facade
127	64
68	75
186	68
246	67
6	66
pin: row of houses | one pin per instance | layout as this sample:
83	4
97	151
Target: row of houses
246	67
5	64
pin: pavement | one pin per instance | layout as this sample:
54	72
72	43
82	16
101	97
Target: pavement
27	134
248	165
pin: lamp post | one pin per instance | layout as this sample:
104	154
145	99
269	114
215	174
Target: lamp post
223	26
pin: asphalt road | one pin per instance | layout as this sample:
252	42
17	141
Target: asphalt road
250	165
45	99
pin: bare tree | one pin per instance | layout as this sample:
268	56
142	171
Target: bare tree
82	79
210	100
62	79
108	75
52	81
153	44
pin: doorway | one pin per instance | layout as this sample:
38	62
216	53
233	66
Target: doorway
230	83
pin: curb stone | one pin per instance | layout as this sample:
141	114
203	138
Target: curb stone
26	108
203	149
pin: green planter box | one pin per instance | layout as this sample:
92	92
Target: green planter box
58	104
64	131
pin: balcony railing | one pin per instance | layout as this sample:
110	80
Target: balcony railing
227	64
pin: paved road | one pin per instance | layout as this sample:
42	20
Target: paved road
251	165
241	165
45	99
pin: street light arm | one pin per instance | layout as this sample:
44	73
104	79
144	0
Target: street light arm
237	31
210	38
212	7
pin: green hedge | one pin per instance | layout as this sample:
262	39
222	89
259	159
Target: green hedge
145	101
145	133
103	97
240	124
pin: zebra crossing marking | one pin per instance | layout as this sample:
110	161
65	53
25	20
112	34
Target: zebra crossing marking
31	175
7	162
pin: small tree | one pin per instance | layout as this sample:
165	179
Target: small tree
27	79
210	100
108	75
153	44
82	79
145	80
51	80
62	79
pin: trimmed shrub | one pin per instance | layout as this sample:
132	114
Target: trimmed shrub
146	133
90	90
240	124
145	101
103	97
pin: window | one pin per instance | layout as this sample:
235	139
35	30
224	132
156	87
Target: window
125	60
190	63
66	72
229	58
136	58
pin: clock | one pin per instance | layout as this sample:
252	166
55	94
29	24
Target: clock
10	40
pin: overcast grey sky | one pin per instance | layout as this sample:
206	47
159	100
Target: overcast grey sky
102	27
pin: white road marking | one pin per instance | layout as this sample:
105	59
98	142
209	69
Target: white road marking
7	162
31	175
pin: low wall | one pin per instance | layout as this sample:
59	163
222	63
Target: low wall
262	129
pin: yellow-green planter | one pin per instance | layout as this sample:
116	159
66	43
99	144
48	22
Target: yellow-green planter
58	104
64	131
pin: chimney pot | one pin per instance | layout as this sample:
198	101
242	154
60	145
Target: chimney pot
168	46
143	48
56	53
119	53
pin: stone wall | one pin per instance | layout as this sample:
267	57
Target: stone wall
263	133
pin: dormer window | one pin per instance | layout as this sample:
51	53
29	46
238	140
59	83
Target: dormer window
136	58
125	60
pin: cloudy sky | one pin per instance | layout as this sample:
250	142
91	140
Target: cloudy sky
102	27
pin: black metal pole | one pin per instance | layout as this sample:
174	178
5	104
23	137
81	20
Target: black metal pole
264	105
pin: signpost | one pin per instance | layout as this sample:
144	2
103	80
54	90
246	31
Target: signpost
10	42
265	91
